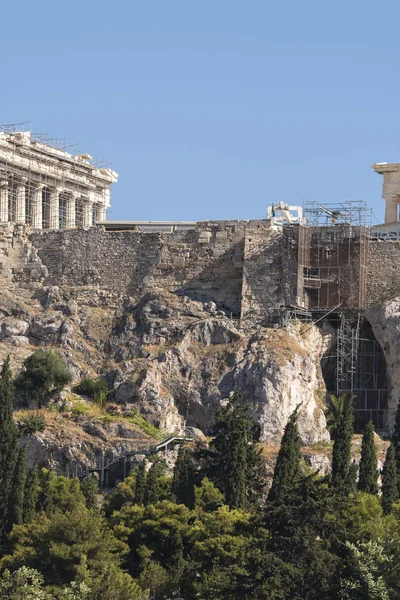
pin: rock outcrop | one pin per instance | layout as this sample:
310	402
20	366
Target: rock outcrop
385	322
173	359
186	361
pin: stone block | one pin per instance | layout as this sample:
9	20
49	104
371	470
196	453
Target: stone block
204	237
178	263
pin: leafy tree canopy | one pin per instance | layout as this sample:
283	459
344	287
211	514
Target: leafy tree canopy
43	371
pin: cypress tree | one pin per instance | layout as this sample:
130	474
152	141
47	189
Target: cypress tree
8	445
140	485
389	481
232	459
287	467
90	489
183	478
368	479
151	492
45	501
341	459
176	562
16	499
31	495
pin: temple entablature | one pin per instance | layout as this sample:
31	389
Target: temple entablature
390	189
47	187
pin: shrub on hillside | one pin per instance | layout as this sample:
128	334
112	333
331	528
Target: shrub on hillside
31	423
96	389
42	372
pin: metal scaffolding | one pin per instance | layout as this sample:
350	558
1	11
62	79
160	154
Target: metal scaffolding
349	212
347	345
359	370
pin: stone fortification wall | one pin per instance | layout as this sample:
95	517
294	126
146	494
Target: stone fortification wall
240	265
383	278
262	288
205	263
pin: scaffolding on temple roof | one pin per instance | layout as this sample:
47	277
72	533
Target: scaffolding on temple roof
48	185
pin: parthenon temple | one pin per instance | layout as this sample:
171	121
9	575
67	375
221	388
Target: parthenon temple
48	188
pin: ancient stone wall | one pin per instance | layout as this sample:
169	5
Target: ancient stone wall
245	267
205	263
262	290
383	277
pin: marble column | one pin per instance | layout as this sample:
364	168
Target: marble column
391	211
3	201
20	210
87	213
99	213
70	207
37	207
54	212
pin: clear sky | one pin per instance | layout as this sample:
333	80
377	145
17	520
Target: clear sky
215	108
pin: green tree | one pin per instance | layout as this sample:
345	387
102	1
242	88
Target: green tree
232	459
333	413
183	478
28	584
366	579
151	533
43	371
8	447
208	498
390	493
77	545
368	479
140	484
124	494
287	467
176	562
222	550
151	492
154	578
342	472
16	501
23	584
90	489
302	555
45	500
31	495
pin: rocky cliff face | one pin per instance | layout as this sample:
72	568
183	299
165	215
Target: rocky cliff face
385	322
180	359
171	358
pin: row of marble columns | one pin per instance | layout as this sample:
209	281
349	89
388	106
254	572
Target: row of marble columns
49	208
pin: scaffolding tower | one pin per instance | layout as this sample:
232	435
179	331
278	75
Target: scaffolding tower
360	371
347	345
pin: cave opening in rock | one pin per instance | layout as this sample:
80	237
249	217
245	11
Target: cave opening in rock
355	365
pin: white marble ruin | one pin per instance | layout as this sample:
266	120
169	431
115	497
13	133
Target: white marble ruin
48	188
390	189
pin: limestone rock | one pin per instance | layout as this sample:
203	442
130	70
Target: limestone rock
45	328
170	358
202	359
13	327
385	322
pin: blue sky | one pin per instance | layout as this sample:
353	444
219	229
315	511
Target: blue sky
212	109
